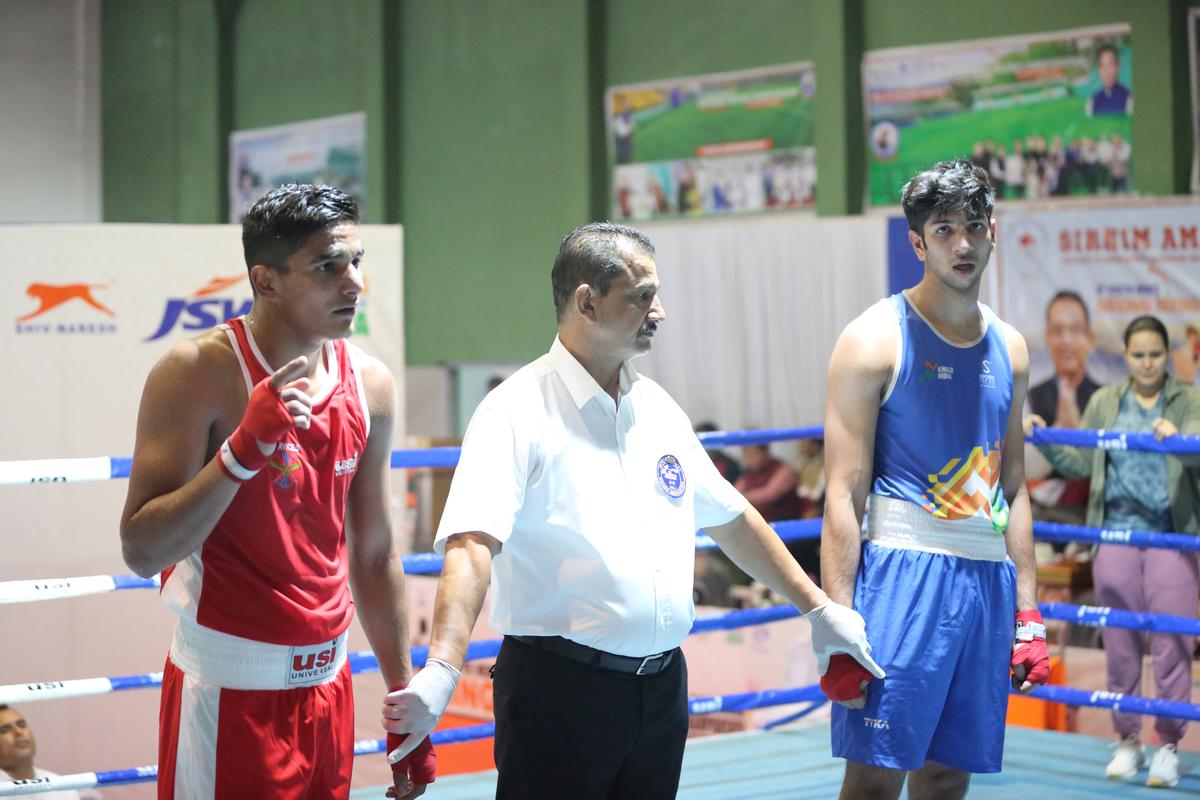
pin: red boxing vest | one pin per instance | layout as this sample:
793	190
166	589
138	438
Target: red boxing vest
274	568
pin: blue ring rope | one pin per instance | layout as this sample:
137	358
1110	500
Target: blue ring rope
1179	444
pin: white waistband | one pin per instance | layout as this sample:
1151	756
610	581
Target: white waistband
231	662
903	525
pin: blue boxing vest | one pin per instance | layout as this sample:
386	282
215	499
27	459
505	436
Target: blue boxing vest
942	423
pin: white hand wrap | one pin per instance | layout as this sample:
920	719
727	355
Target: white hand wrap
417	709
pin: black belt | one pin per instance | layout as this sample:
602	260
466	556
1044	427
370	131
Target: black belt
631	665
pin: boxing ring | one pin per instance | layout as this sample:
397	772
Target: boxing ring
781	760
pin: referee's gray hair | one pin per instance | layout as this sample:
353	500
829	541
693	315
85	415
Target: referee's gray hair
591	254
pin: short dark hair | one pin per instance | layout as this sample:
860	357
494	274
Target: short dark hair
1147	323
1107	47
277	225
591	254
946	187
1067	294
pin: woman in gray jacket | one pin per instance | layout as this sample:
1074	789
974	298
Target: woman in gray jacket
1147	492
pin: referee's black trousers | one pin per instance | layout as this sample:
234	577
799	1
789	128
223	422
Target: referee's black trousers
567	729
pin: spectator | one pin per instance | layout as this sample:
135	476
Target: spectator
810	476
729	468
1148	492
712	578
770	486
1058	401
18	746
768	483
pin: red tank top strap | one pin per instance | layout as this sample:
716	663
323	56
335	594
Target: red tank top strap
351	381
252	367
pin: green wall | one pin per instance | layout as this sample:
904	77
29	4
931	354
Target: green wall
161	141
485	117
494	170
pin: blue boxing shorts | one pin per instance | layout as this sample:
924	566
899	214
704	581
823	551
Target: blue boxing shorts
941	626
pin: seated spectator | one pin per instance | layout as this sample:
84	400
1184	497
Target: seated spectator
730	469
768	483
810	474
713	577
17	750
1143	491
770	486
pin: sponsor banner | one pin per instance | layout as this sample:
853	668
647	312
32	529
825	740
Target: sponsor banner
331	150
84	329
1120	263
734	142
1047	115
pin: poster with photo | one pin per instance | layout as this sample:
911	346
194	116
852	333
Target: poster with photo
1047	115
734	142
1072	280
330	150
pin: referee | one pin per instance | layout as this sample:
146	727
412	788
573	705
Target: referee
580	488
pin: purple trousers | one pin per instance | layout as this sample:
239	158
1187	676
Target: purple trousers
1160	582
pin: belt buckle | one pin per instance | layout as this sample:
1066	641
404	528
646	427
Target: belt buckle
641	670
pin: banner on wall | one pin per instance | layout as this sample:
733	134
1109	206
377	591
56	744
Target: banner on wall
1047	115
331	150
1194	51
734	142
106	303
1119	263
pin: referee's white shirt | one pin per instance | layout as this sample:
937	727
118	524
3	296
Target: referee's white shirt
594	547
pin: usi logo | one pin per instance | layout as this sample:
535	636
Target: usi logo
312	664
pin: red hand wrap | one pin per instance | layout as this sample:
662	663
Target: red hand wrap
843	680
265	420
1030	655
421	764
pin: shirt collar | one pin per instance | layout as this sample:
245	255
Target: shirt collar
579	381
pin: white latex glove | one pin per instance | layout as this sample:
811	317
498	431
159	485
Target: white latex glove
838	629
416	709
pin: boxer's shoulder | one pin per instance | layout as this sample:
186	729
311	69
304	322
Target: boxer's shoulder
203	371
869	342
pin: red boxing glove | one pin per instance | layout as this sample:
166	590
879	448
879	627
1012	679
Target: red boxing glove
844	678
421	764
1030	659
266	420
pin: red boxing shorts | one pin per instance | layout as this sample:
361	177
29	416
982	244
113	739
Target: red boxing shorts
217	743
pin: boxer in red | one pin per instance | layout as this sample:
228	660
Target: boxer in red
259	489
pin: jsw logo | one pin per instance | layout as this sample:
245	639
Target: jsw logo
202	311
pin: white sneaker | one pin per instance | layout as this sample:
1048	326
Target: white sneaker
1128	760
1164	769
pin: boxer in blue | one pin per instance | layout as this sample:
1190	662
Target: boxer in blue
923	433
